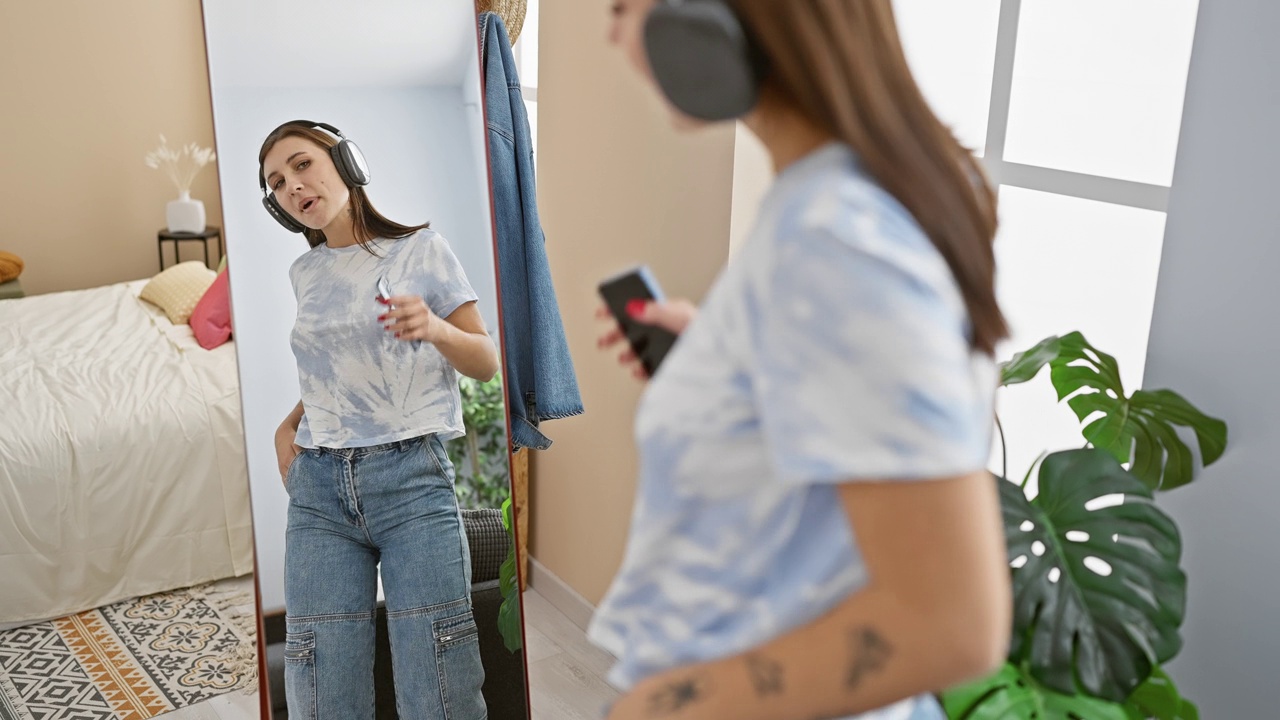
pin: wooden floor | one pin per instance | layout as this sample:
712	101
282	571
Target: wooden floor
233	706
566	673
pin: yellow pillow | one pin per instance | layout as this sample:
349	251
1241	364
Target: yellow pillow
10	267
177	290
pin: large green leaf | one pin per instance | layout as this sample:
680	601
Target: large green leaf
1012	695
509	611
1026	364
1077	630
1159	699
1140	428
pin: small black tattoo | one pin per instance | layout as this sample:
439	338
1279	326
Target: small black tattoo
870	653
766	675
678	695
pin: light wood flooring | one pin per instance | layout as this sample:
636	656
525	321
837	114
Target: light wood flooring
566	673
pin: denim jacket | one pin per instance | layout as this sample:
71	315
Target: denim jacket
540	381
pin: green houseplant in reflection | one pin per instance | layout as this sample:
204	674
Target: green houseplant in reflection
509	611
480	457
1099	594
482	470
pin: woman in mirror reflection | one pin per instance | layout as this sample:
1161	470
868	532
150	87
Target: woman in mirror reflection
815	534
370	484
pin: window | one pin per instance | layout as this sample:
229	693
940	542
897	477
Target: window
1075	107
951	47
526	52
1098	86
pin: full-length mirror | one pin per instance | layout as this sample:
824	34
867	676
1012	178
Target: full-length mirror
125	530
364	292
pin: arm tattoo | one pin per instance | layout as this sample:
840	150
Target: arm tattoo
766	675
870	652
678	695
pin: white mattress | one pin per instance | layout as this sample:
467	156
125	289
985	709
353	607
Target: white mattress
122	466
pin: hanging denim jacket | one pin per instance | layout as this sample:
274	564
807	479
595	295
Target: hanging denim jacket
540	381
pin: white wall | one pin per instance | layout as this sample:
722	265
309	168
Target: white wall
1214	339
421	147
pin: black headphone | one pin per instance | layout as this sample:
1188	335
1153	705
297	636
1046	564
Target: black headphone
350	162
703	58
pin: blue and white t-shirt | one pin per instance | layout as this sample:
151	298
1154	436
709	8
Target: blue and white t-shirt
833	348
361	385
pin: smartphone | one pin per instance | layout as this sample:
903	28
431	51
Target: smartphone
650	343
384	292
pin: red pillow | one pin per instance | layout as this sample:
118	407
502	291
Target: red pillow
211	320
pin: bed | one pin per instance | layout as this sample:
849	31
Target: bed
122	465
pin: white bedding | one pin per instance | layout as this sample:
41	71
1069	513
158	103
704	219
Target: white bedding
122	466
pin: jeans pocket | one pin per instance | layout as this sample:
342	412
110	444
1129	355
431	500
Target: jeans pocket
300	674
440	455
458	663
290	471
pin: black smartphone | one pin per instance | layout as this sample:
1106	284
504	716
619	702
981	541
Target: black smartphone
649	342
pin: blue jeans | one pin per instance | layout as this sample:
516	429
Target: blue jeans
349	510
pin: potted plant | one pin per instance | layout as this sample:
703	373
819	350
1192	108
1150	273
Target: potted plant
1099	593
182	166
509	611
481	468
480	457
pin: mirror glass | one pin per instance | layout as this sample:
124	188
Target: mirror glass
126	540
384	534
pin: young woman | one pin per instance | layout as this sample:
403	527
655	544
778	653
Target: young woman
815	535
369	482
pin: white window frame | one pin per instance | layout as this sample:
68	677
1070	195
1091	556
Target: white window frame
1033	177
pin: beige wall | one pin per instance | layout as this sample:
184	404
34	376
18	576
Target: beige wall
616	186
87	88
752	175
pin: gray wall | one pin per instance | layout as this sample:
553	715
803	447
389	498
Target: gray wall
1215	338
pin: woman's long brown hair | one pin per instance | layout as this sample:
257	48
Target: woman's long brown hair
366	221
842	63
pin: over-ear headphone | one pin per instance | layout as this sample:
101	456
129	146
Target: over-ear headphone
703	58
350	162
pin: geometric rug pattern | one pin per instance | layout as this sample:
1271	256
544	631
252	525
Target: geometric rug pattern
132	660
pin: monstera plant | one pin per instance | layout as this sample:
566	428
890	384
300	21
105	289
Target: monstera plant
1099	593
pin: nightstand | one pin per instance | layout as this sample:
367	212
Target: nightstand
11	290
210	232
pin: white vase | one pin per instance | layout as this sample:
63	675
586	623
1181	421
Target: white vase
185	214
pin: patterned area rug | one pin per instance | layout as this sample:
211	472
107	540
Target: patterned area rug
132	660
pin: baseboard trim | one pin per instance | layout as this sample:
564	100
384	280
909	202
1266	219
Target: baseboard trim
560	595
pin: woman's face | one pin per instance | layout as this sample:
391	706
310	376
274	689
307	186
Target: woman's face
626	31
304	180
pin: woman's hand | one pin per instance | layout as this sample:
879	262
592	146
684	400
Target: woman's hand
286	449
411	319
672	315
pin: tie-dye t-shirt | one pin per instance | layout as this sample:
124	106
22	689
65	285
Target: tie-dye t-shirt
832	348
361	385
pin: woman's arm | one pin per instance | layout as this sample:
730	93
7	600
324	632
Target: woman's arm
286	448
936	612
293	419
461	337
465	343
